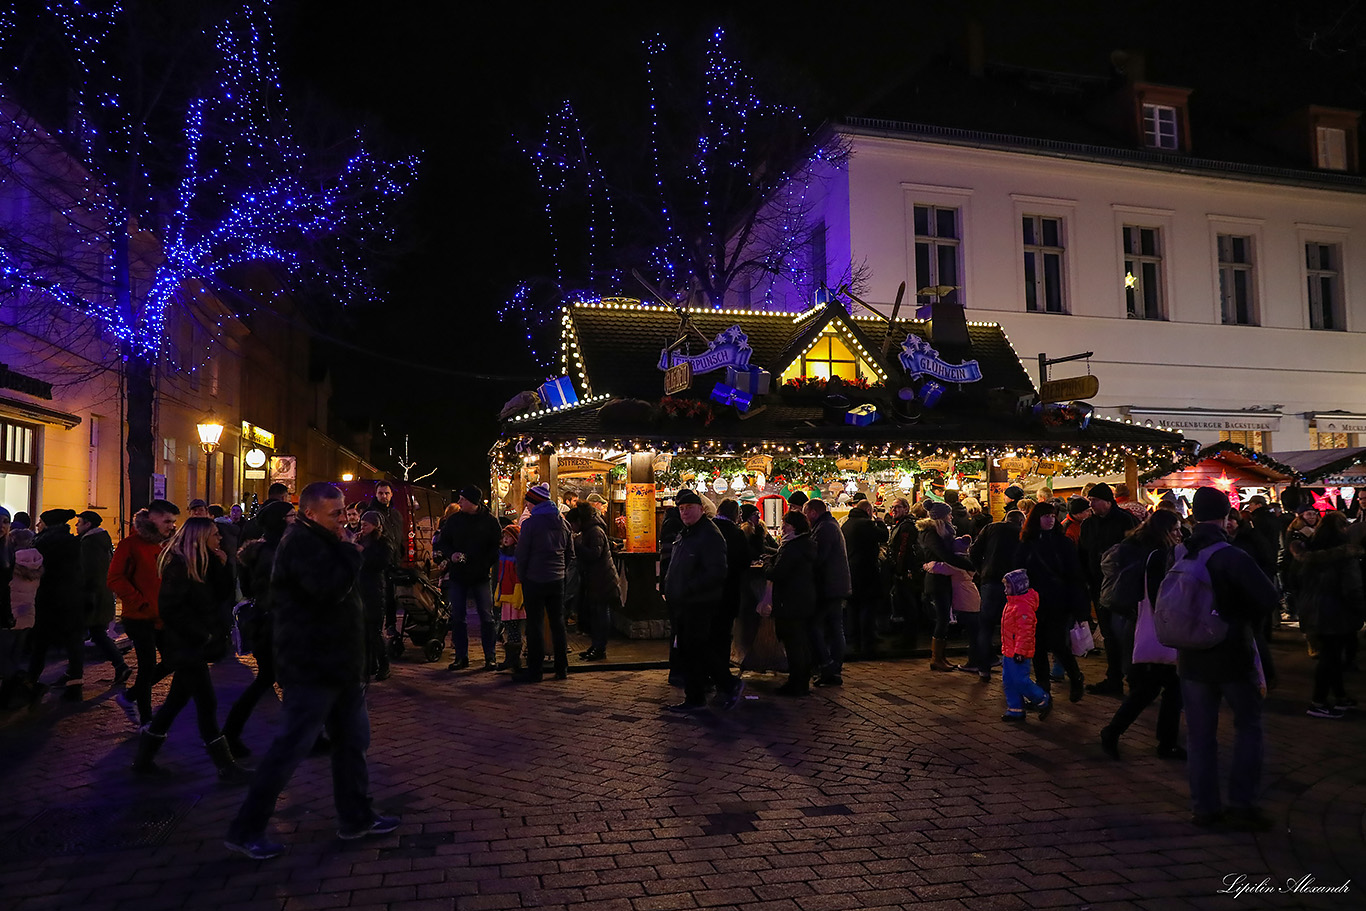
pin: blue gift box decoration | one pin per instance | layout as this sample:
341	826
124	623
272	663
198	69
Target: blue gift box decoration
930	394
753	380
861	415
722	394
557	393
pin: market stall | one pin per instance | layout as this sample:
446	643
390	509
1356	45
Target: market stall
1231	467
757	404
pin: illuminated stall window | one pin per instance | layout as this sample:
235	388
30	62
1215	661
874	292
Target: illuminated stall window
830	356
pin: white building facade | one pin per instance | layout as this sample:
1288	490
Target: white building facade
1223	299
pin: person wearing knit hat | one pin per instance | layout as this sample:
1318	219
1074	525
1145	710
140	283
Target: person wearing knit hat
373	518
936	540
1238	670
1078	511
468	540
939	511
544	547
53	517
1103	529
797	499
538	493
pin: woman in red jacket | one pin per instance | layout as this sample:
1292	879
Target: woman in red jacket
134	578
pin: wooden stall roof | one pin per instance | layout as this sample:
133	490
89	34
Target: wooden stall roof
1243	466
1316	464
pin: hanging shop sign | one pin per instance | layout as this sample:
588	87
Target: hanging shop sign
284	469
677	378
1331	423
1212	420
1049	467
936	463
761	464
640	519
729	349
1069	389
255	458
256	435
1015	467
918	358
859	466
662	462
579	465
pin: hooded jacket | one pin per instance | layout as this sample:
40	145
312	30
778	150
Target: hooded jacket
23	587
593	548
541	544
133	570
97	552
315	604
794	580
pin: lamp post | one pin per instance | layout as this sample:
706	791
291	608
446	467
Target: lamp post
210	432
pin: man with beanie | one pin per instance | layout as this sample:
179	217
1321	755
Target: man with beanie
694	591
864	536
1078	511
97	551
469	543
833	585
540	555
1237	670
1106	527
58	606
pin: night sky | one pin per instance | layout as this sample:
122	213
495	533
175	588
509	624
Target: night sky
460	83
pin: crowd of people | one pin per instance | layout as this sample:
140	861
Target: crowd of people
1027	594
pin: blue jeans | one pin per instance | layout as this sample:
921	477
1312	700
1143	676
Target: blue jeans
827	636
308	709
1202	743
458	595
1018	685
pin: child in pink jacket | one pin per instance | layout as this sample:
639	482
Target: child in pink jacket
1018	622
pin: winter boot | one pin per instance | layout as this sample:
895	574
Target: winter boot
148	744
937	660
228	769
238	749
74	690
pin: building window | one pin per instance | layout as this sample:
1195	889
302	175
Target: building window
815	251
18	466
1259	440
1043	249
1332	440
1159	126
937	239
93	495
1325	283
1235	280
829	356
1332	148
1143	272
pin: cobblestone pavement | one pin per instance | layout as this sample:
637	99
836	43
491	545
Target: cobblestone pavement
900	789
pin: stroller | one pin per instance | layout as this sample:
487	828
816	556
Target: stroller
426	615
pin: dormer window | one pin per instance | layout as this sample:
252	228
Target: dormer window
1160	127
1332	148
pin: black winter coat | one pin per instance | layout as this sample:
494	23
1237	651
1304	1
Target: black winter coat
376	556
1055	573
254	562
993	553
832	560
316	606
477	536
58	604
697	570
794	580
598	571
737	559
863	540
97	552
935	547
1330	597
195	616
1099	534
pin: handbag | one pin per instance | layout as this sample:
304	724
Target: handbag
1147	648
1081	638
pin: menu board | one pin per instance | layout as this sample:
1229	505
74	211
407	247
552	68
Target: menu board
640	519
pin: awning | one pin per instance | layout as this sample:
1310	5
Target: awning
30	412
1317	464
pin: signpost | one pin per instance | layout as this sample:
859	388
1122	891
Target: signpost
1072	388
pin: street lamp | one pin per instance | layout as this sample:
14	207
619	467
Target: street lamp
348	478
210	432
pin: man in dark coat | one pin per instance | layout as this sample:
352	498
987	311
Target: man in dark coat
97	551
320	664
392	529
1227	671
469	543
993	554
737	569
901	555
832	587
695	591
59	608
542	547
1106	527
863	540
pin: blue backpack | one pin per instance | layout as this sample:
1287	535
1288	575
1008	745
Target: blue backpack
1184	614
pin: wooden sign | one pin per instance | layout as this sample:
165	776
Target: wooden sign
640	519
1073	388
760	464
936	463
1017	466
856	465
678	378
1049	467
579	466
662	462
